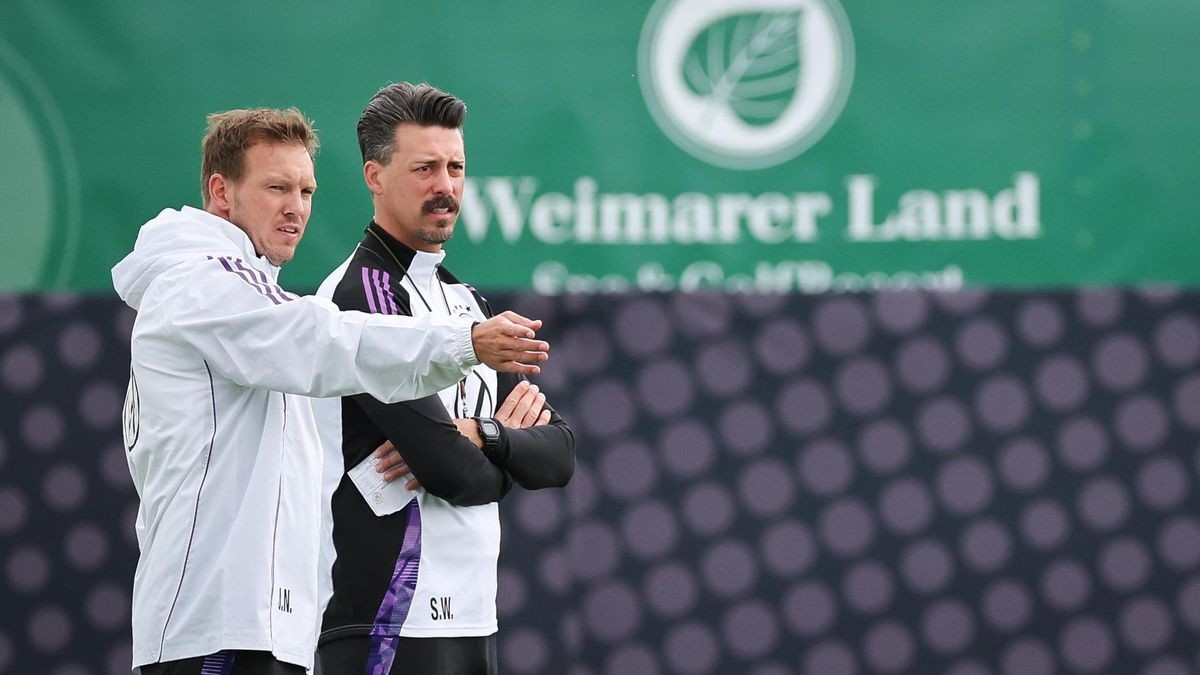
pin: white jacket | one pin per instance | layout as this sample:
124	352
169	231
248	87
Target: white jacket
221	439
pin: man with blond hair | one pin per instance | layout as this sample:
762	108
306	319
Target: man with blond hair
221	439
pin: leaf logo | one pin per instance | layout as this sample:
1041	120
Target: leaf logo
746	84
747	63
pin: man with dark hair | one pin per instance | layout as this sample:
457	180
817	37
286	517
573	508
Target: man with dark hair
414	587
221	438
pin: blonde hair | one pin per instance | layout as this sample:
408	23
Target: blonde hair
231	133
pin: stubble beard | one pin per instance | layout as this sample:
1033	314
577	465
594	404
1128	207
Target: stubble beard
276	253
441	233
278	258
436	234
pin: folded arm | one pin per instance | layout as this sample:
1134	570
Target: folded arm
446	463
538	449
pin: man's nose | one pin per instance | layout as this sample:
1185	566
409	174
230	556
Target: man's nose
294	205
442	184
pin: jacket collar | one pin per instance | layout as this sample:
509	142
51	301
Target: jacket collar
386	246
236	236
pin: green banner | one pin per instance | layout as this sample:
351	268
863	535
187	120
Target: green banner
776	145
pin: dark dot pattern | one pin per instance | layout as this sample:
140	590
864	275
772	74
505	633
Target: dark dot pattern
900	482
66	561
965	483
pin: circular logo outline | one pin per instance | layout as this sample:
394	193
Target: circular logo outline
812	133
59	262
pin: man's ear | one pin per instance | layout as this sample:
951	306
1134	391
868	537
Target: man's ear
371	171
218	194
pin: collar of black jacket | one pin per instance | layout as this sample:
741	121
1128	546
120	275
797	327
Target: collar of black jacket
377	239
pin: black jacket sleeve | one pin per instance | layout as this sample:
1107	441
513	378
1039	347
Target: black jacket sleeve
537	457
447	463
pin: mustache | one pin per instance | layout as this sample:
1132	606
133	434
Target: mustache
443	202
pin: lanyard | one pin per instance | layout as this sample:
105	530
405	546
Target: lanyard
461	395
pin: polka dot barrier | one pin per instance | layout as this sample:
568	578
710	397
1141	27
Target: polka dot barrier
809	608
825	467
965	483
65	563
922	365
884	445
750	629
985	546
788	548
888	647
1007	605
901	311
691	648
931	461
766	488
868	587
1065	584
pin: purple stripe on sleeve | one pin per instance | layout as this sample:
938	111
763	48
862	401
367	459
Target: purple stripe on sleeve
377	285
229	267
379	302
264	284
387	287
283	295
398	598
385	291
258	278
236	266
273	291
380	278
368	290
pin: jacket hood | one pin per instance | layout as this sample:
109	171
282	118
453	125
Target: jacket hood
174	238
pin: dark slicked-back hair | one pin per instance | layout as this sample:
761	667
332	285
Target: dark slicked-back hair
404	103
231	133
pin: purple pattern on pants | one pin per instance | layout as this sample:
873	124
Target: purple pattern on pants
398	599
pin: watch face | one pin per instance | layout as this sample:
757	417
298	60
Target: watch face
489	427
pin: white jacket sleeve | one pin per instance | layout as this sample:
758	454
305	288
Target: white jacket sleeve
257	335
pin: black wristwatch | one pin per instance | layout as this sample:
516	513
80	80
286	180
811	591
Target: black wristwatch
489	429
